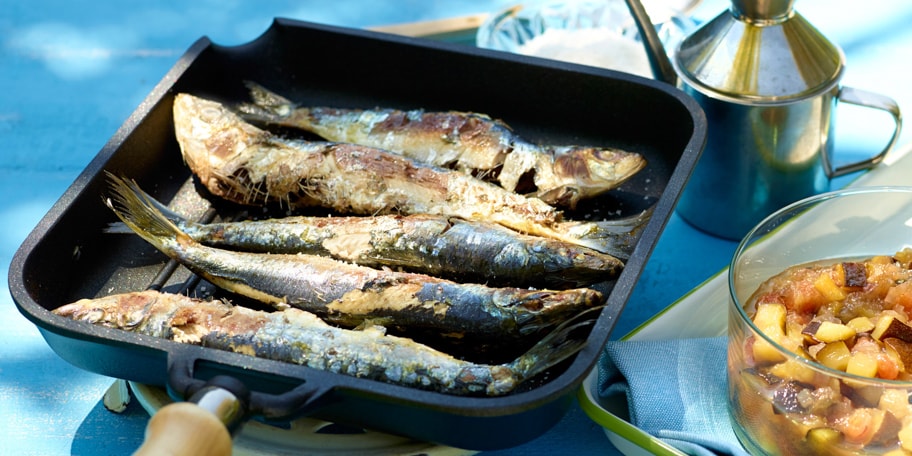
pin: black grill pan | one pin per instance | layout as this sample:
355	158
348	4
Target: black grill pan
68	257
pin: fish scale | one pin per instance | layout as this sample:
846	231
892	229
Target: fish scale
348	294
300	337
470	142
239	162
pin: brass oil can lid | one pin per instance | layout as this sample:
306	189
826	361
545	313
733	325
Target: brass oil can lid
759	51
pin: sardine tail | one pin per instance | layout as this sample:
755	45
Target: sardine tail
122	228
140	212
266	105
616	237
558	345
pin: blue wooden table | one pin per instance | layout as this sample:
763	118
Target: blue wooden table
71	73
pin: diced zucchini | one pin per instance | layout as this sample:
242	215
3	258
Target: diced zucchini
889	326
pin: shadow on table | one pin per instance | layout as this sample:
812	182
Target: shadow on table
106	432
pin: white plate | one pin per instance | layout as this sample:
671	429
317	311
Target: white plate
700	313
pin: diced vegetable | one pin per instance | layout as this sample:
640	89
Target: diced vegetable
852	316
770	319
828	288
900	296
861	324
834	355
862	364
832	332
855	275
890	326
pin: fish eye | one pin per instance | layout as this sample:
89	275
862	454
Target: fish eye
134	318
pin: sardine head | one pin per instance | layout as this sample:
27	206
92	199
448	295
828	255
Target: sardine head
124	311
82	310
211	136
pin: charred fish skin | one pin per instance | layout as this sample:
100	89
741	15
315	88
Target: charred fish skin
236	161
348	294
470	142
460	250
295	336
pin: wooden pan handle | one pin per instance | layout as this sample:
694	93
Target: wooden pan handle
185	429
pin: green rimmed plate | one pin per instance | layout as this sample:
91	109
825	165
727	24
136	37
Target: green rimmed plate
700	313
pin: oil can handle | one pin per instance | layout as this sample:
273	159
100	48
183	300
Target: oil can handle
872	100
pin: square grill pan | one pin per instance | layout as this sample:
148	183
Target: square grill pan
68	257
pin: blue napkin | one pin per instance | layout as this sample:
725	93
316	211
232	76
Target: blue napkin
676	390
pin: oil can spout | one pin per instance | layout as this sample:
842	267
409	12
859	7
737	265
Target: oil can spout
659	62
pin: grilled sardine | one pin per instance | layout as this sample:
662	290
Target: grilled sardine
300	337
242	163
470	142
448	247
348	294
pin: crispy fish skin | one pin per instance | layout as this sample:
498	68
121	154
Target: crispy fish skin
348	294
461	250
244	164
299	337
466	141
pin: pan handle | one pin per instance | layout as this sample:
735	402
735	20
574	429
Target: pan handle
216	410
198	427
298	401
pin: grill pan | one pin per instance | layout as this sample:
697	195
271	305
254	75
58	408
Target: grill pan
68	257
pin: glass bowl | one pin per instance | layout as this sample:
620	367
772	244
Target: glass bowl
819	397
589	32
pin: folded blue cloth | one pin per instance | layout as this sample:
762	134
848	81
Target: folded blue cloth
676	390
